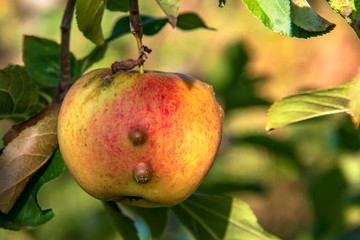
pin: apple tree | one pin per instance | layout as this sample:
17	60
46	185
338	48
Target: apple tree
31	96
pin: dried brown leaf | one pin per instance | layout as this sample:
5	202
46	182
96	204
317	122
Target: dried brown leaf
24	155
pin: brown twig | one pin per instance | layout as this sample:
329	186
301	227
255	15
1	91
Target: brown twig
131	63
64	75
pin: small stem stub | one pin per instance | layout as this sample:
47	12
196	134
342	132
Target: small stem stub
142	173
131	63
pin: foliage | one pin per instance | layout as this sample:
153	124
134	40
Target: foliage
25	90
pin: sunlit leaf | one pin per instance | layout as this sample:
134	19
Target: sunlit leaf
41	58
355	101
24	155
308	104
343	7
117	5
19	98
277	16
171	9
123	224
219	217
27	213
304	17
155	218
89	14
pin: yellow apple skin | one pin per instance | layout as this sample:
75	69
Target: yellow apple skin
180	126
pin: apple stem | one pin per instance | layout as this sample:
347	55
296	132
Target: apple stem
64	72
136	27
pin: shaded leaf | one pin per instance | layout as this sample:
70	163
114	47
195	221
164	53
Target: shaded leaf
308	104
24	155
354	103
19	98
27	213
219	217
123	223
304	17
277	16
89	14
327	193
155	218
151	25
41	58
171	9
118	5
94	56
189	21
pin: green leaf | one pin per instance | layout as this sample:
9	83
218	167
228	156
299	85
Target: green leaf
171	9
308	104
94	56
152	26
19	98
123	223
27	213
189	21
89	14
118	5
219	217
304	17
41	58
277	15
355	101
155	218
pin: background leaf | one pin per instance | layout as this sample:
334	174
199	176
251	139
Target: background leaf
190	21
277	16
219	217
19	98
355	101
155	218
41	58
118	5
123	223
94	56
171	9
27	213
89	14
308	104
152	25
24	155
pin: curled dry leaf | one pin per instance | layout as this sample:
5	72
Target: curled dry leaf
26	153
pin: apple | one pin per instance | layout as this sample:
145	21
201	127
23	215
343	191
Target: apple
143	139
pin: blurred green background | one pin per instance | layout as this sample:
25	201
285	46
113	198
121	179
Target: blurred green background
302	181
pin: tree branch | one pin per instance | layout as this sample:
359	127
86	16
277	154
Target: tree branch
136	27
64	74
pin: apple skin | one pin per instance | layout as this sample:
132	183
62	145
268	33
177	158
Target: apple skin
176	117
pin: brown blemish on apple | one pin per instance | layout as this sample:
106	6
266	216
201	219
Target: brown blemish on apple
106	80
137	136
142	172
